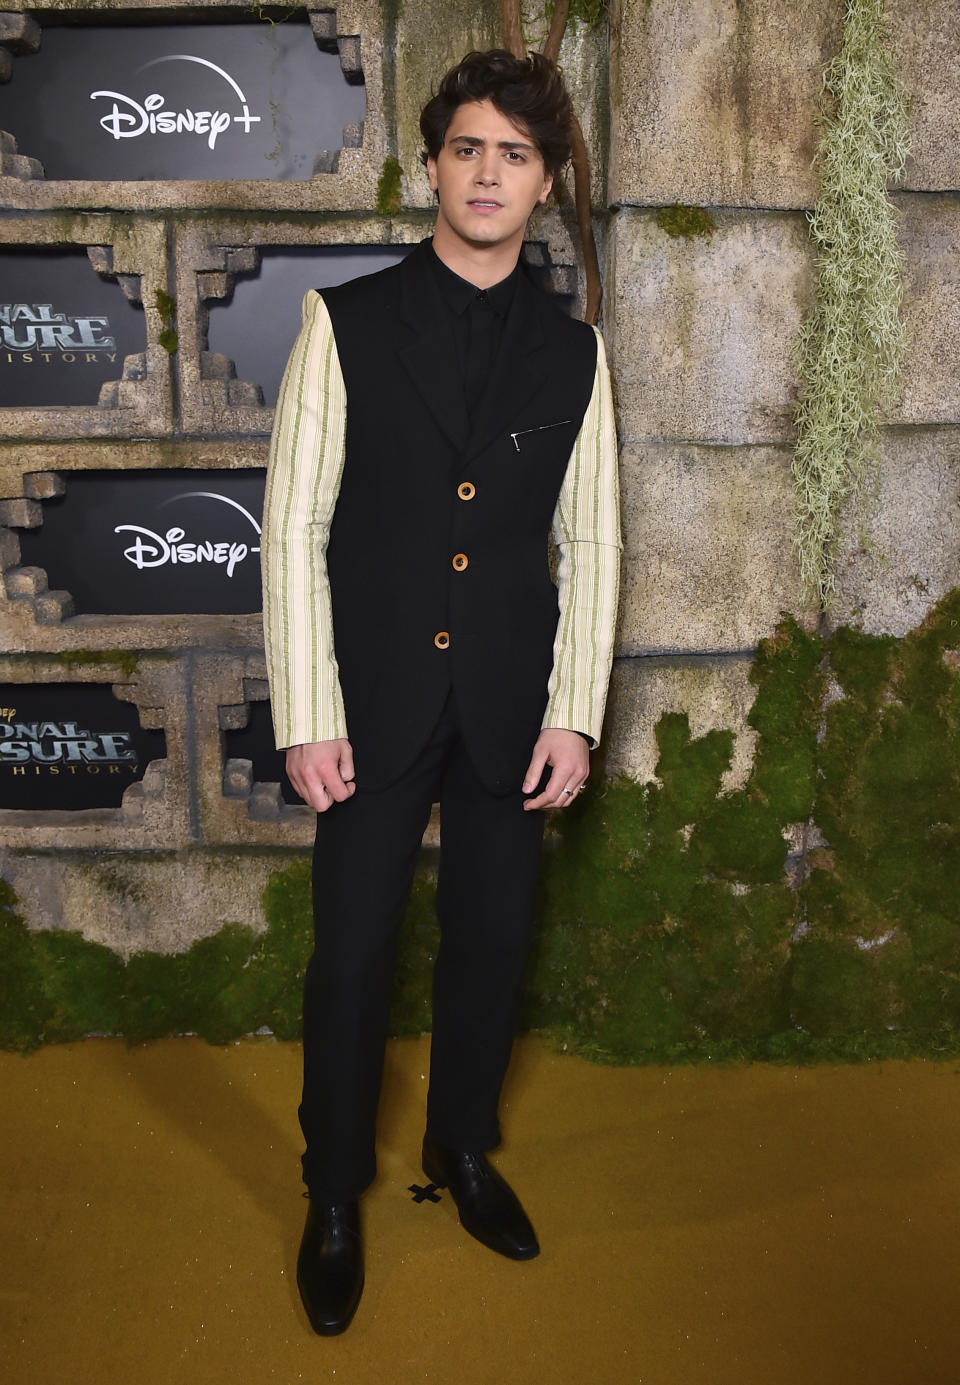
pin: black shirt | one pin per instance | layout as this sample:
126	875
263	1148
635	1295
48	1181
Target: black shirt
477	317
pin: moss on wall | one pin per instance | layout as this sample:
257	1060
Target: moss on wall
389	187
681	220
669	929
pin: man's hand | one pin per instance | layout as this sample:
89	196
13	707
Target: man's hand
566	752
322	772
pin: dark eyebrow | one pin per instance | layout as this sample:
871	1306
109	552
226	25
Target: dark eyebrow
501	144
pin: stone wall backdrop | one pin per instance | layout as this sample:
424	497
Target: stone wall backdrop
770	864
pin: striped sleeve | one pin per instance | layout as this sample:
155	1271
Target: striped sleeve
303	480
586	530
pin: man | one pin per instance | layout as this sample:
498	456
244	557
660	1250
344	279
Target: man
435	420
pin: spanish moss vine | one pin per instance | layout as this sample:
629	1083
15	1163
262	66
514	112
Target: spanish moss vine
850	346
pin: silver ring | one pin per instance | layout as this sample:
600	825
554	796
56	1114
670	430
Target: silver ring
569	791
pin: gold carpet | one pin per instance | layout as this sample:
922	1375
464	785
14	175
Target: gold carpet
699	1226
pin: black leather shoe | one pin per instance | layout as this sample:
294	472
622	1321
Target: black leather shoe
330	1265
489	1208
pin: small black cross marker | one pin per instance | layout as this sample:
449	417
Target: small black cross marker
430	1192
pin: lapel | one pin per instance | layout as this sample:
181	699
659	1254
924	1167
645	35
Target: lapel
431	360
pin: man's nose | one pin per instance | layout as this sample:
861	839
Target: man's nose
487	170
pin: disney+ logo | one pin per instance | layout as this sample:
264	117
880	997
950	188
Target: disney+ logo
153	550
129	118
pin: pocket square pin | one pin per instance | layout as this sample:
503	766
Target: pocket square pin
522	432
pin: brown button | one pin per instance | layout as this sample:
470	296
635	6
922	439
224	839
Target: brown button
466	490
441	639
460	561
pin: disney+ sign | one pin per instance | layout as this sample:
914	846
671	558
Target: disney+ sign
153	542
70	746
251	99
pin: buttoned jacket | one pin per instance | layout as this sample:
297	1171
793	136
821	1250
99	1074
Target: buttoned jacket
427	537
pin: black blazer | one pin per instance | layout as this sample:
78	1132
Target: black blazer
437	558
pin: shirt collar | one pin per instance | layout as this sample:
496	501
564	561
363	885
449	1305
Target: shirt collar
459	293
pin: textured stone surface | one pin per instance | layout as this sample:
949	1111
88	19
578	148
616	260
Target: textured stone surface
228	680
712	692
930	233
701	331
923	46
155	813
156	902
714	100
134	254
911	553
708	562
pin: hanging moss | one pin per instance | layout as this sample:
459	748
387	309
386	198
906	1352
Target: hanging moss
680	220
850	346
389	188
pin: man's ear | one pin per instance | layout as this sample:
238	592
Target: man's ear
547	185
432	173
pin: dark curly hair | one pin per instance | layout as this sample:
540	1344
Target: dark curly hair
528	91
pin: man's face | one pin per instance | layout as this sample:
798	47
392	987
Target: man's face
488	176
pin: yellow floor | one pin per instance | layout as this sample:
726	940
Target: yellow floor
700	1226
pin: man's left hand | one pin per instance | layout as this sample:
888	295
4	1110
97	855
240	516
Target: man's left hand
567	754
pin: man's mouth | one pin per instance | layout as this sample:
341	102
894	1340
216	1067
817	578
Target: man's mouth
484	204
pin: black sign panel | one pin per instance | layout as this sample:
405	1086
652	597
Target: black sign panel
153	542
70	746
209	101
64	330
255	742
256	328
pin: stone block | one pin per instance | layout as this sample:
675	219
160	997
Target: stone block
713	100
923	47
135	256
908	556
142	902
713	692
708	561
701	331
229	816
155	812
930	388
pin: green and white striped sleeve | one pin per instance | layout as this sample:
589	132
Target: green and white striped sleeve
586	530
303	481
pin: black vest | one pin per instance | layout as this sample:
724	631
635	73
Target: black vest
437	558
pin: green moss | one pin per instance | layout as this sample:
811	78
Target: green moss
125	659
167	308
681	220
389	188
668	929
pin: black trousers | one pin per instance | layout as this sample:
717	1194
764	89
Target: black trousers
364	859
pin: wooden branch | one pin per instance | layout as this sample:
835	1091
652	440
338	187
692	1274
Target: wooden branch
513	40
558	25
581	197
512	25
